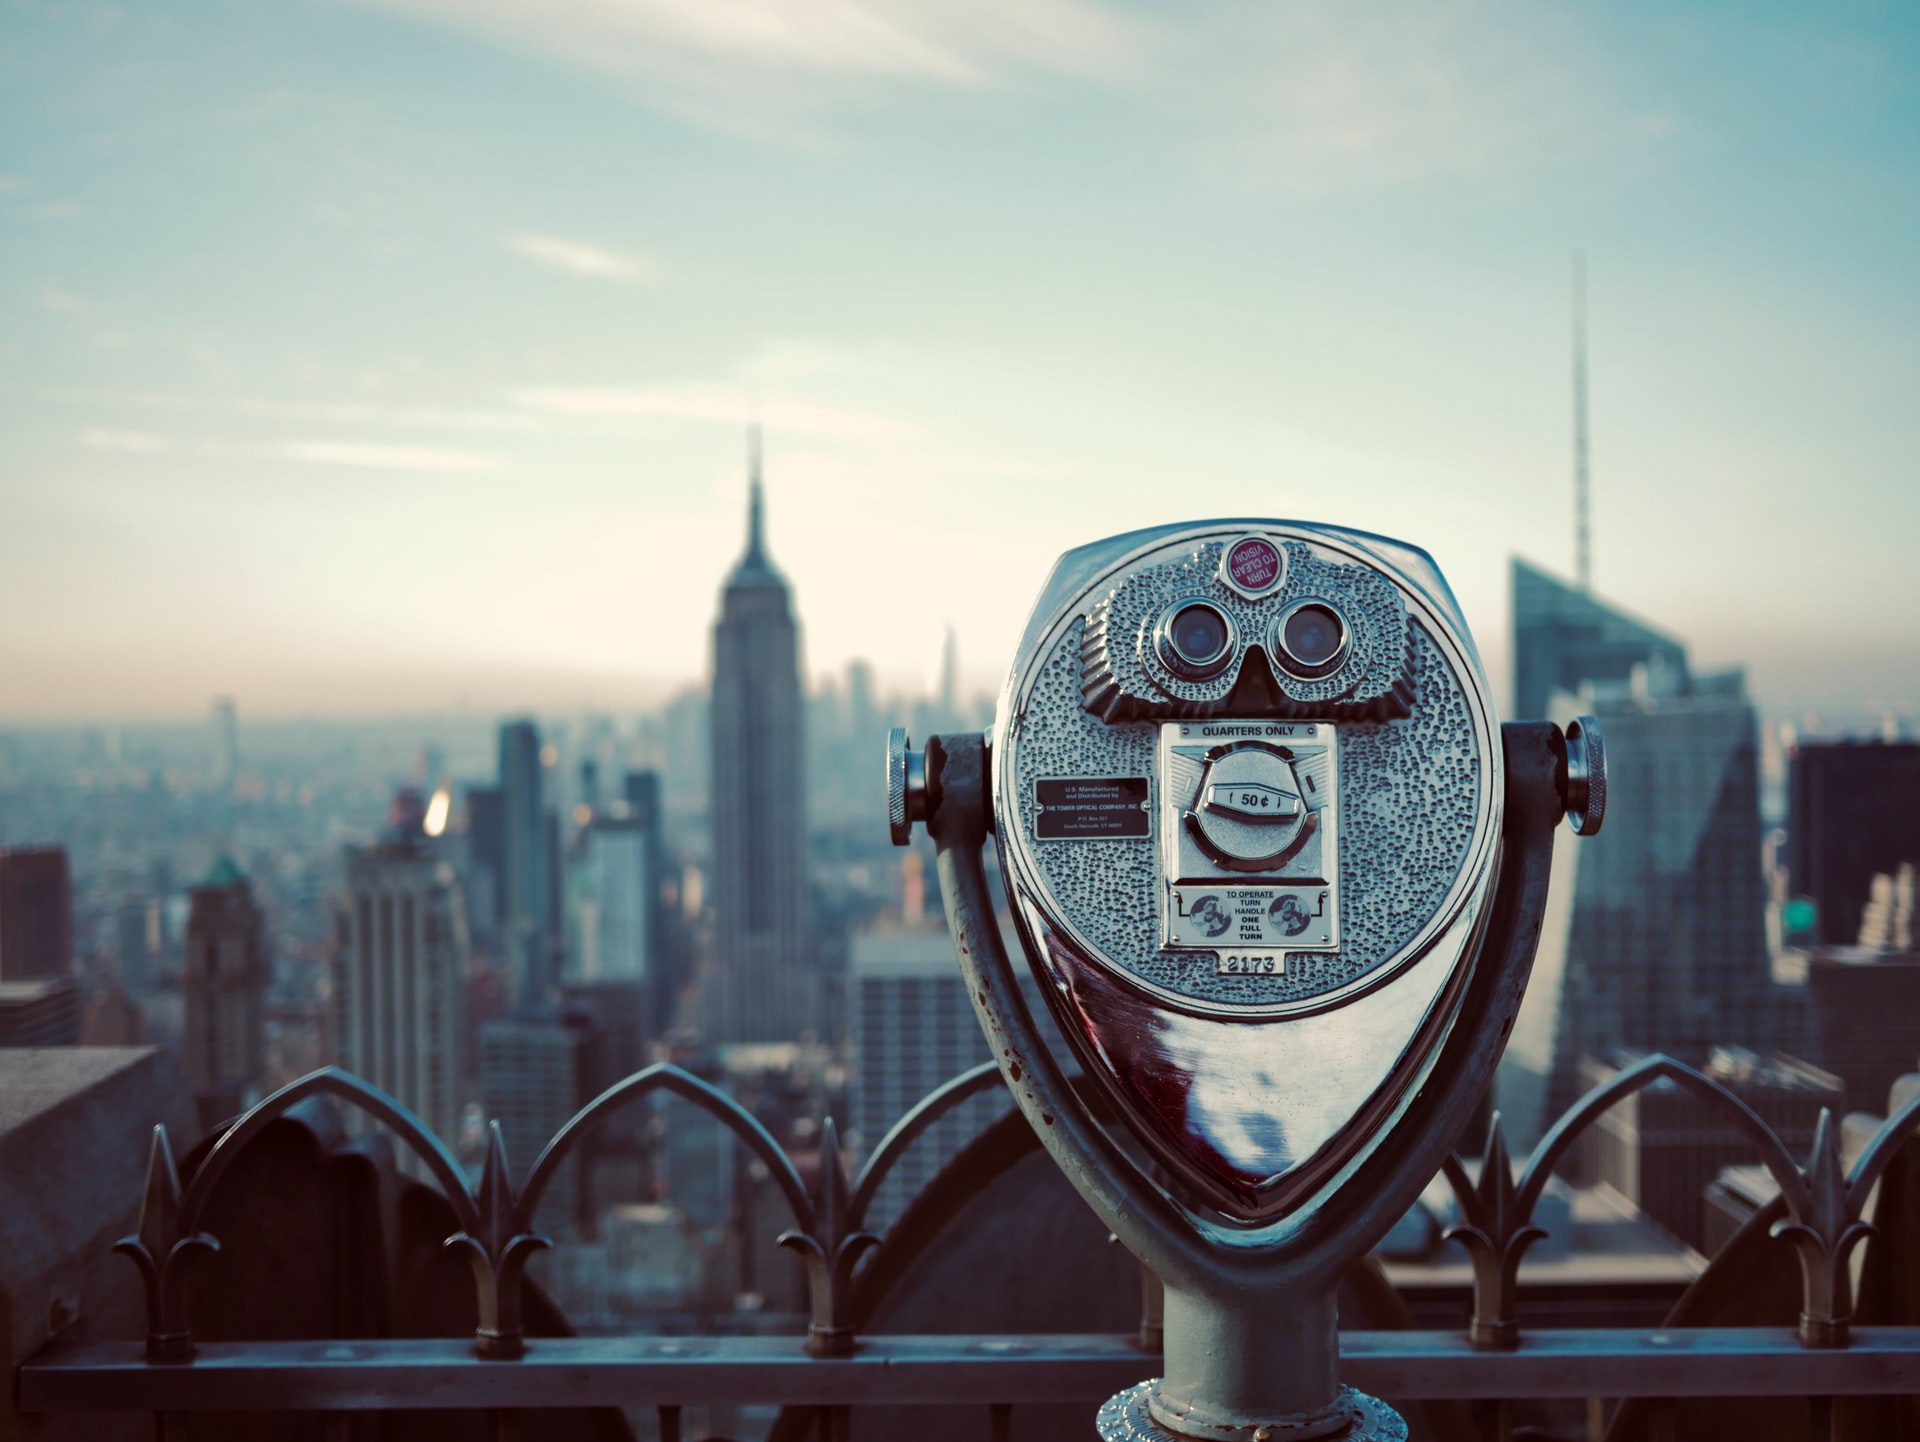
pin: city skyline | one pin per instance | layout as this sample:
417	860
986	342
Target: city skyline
358	427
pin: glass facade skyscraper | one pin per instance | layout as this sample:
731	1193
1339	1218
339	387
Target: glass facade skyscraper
1655	939
1564	638
526	892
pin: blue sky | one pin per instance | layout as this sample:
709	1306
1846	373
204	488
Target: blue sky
388	356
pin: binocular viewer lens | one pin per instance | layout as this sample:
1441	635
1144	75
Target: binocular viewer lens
1195	639
1312	639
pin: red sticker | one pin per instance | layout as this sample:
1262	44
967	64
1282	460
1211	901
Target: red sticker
1253	564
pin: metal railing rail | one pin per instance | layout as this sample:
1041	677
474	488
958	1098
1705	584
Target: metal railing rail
1820	1214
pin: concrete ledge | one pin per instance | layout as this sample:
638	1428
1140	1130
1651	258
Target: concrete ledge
75	1128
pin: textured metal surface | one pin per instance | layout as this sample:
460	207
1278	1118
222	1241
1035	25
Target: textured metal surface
906	786
1415	811
1586	775
1127	1417
1252	1080
426	1373
1125	679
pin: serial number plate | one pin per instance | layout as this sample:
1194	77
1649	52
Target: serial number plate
1225	965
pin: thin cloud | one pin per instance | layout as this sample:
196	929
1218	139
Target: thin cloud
724	407
1320	97
778	71
127	443
344	414
387	458
353	454
576	257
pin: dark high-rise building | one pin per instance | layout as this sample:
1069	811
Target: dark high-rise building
36	913
526	883
1853	813
1855	1012
534	1075
1563	638
1662	1147
761	986
223	993
485	854
1656	940
132	952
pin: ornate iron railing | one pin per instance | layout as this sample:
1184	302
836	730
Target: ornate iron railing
1819	1213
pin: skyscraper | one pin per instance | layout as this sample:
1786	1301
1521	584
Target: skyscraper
1655	937
1853	813
225	723
913	1029
36	913
223	993
616	900
533	1077
1563	637
486	859
527	920
761	986
400	988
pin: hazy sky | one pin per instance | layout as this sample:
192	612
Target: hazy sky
391	356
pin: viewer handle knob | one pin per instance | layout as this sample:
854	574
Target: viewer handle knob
1585	793
906	786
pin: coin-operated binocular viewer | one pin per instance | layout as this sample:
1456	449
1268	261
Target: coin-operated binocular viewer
1279	873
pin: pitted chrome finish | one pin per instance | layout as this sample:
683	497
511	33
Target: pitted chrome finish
1129	1416
1125	678
906	786
1586	793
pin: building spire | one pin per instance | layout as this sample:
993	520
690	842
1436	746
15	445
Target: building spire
1582	481
756	501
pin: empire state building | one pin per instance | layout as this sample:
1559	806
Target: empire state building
760	986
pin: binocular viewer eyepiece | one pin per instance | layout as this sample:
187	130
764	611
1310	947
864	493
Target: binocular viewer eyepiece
1251	802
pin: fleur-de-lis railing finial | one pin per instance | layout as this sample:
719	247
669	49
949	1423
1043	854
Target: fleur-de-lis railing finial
164	1251
171	1238
1496	1233
498	1249
1824	1228
830	1251
1823	1201
495	1220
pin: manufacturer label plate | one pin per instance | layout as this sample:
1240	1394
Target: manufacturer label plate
1092	808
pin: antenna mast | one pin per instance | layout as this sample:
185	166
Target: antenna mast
1582	479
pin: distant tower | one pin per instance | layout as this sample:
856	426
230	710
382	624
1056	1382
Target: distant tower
226	741
224	990
1582	479
400	989
761	986
526	861
949	682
